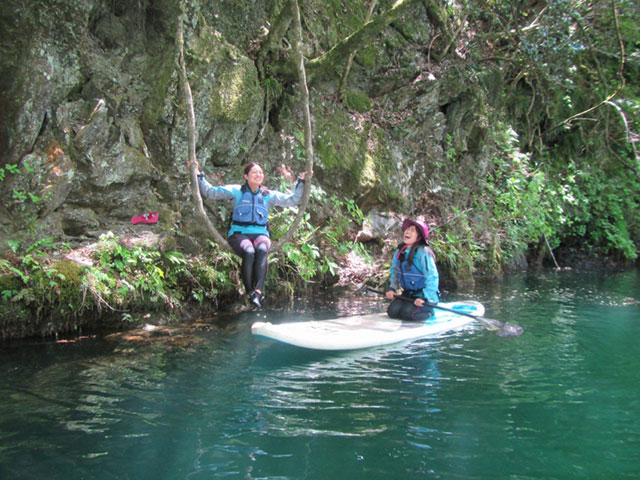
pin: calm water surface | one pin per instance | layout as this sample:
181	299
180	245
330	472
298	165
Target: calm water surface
561	401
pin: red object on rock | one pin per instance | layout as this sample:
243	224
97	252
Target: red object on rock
149	217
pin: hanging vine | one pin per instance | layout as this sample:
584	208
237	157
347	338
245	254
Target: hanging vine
308	134
191	128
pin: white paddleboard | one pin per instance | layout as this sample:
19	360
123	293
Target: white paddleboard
363	331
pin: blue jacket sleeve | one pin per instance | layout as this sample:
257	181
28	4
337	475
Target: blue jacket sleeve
279	199
223	192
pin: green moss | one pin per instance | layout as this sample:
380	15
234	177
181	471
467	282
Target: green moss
9	283
333	21
72	273
358	101
14	320
339	151
237	93
159	80
351	151
366	56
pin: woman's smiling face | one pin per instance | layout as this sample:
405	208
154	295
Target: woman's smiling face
255	177
410	235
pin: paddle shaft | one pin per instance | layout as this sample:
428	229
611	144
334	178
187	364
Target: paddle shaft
505	329
427	304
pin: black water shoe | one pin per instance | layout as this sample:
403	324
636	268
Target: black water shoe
254	299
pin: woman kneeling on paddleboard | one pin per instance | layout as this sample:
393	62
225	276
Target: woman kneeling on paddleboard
248	231
413	269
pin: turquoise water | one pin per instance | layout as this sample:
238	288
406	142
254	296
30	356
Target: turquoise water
561	401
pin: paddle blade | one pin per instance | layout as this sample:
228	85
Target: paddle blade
510	330
502	329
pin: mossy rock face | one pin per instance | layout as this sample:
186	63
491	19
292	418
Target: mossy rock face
231	79
350	152
341	152
160	74
16	319
359	101
334	21
367	56
227	98
240	23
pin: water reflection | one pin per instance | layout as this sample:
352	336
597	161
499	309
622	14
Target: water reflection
300	404
297	399
465	405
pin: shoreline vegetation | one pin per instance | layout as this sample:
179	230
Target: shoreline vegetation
121	283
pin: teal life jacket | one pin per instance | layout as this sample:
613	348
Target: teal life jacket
251	208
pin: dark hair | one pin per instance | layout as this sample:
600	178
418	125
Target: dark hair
414	247
250	165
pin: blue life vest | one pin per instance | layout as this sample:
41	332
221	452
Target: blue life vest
410	277
250	209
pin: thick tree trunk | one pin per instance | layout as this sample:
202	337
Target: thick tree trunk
347	69
328	63
276	34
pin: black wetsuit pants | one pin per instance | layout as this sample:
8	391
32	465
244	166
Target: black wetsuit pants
254	251
403	308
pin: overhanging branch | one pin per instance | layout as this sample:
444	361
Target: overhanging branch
308	133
